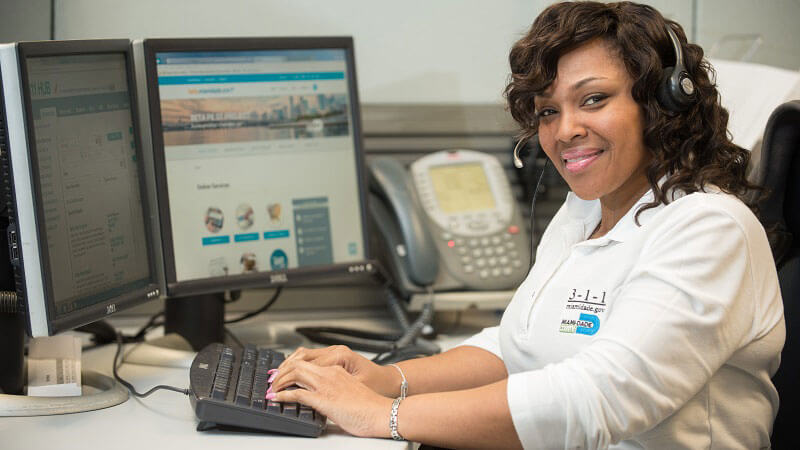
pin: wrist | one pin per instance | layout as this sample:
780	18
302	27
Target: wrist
390	382
403	382
381	426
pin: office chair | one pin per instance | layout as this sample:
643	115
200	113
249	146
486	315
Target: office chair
779	172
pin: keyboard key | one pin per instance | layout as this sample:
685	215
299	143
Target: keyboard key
260	384
306	413
223	377
244	387
290	409
219	392
274	407
250	352
276	361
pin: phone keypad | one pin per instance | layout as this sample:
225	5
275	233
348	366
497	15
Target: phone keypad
491	256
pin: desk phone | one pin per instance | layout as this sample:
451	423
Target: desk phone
450	221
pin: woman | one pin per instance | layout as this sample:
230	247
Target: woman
652	317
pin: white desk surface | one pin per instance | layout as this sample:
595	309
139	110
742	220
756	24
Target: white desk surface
165	419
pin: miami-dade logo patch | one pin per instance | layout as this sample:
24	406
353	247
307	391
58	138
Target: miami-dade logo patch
583	312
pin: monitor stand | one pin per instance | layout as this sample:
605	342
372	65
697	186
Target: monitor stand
200	319
193	322
99	391
190	323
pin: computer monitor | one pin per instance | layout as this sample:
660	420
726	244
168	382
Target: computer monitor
75	204
258	168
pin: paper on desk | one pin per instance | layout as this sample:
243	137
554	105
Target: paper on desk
750	92
54	366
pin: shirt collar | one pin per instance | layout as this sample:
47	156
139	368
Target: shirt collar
585	215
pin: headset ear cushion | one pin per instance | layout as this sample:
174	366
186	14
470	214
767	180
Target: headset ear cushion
665	95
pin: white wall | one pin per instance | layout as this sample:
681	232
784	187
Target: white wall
413	51
24	20
776	21
423	51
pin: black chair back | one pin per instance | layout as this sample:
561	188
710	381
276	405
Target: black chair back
779	172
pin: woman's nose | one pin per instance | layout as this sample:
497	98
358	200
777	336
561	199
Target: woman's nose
570	126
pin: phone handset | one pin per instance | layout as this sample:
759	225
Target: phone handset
415	248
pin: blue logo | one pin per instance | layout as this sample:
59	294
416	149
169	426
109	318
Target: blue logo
278	260
588	324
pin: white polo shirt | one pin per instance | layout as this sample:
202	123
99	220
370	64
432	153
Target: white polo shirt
663	335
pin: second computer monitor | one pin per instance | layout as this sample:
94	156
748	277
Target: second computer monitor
258	160
76	216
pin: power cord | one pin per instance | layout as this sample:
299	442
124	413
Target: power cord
231	297
259	310
152	323
130	386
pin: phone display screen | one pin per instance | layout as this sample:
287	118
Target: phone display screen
461	187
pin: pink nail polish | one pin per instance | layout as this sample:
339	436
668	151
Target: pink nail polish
269	390
271	371
270	396
271	377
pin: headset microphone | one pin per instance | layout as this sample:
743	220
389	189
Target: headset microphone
515	155
519	164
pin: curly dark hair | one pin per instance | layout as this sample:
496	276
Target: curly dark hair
692	148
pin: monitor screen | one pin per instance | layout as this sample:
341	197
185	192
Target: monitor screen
258	151
83	181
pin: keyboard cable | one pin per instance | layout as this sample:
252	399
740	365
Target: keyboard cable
130	386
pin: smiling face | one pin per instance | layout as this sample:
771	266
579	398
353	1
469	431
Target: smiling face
592	129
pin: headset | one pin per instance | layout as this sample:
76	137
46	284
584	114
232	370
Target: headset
675	93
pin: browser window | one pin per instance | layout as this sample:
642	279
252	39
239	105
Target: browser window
260	160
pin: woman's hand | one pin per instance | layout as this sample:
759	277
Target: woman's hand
334	392
381	379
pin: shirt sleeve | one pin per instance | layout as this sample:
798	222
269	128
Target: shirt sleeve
683	311
488	339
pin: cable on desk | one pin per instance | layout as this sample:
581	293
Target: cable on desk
130	386
152	323
259	310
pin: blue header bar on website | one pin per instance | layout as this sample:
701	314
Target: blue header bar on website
249	78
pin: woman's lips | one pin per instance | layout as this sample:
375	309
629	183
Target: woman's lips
577	160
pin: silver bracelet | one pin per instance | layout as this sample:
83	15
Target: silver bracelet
403	384
393	420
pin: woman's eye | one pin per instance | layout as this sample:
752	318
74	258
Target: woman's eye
594	99
545	112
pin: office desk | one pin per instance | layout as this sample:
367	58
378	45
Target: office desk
165	419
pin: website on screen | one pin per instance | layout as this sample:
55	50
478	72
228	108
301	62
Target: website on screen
260	158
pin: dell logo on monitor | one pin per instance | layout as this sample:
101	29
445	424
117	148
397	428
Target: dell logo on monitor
111	309
278	278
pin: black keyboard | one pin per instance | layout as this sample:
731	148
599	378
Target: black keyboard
228	386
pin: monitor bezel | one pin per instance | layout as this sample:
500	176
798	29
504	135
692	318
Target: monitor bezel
61	322
337	273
